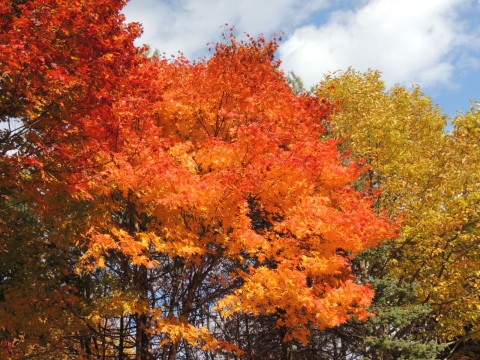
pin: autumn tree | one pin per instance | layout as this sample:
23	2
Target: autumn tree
424	286
226	200
147	204
59	63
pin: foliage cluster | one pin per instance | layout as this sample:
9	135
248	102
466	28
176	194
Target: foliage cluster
156	208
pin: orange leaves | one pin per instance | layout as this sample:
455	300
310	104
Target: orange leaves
310	295
136	249
229	162
197	183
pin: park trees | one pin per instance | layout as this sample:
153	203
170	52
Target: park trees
430	177
154	208
147	202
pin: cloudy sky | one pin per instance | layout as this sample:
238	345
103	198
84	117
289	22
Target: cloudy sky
433	43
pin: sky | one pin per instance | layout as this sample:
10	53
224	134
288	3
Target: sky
431	43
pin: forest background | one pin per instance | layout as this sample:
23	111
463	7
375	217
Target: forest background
156	208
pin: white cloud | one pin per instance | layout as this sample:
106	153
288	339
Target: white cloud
408	40
188	25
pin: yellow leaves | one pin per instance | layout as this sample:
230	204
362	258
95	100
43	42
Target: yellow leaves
393	130
136	248
430	176
118	303
175	330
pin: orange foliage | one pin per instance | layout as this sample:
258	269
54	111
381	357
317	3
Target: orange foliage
231	163
184	166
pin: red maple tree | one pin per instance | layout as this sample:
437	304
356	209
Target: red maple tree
196	191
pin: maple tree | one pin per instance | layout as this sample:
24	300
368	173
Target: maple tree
59	63
154	208
226	193
155	196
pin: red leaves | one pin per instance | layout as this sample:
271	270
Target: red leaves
199	164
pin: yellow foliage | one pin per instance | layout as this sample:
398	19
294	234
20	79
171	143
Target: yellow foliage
429	177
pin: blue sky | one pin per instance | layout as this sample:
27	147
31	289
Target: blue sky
432	43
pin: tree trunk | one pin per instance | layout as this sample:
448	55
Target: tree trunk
142	340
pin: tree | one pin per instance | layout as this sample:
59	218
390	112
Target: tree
426	177
59	63
225	187
166	200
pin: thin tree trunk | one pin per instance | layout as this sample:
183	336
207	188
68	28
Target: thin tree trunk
142	336
120	341
173	351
